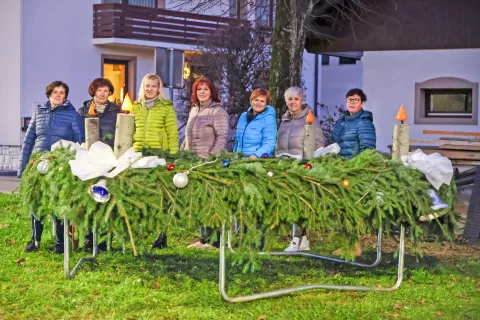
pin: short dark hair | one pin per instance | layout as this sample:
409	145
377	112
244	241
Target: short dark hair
98	83
355	91
53	85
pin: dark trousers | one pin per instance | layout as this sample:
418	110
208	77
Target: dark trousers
37	230
206	234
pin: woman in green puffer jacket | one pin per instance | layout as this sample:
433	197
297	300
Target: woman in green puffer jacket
155	118
155	124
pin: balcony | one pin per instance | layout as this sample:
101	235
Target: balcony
159	25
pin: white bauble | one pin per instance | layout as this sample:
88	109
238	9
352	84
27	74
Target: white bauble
43	166
180	180
270	173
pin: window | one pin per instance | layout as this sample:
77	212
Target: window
237	9
343	60
448	103
446	100
325	60
261	12
120	70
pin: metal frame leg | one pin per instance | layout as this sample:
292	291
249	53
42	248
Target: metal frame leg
316	256
66	254
280	292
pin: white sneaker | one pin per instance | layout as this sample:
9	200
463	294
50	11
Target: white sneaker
304	244
293	247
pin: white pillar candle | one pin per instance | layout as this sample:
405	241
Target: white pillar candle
124	133
92	131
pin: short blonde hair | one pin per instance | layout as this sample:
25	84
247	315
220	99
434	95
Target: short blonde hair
161	92
294	92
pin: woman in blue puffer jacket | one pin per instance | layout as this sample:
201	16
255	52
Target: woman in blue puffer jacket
354	130
257	128
57	119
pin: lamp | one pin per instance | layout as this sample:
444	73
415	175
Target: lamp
186	72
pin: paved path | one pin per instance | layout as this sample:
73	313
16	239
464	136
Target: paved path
8	183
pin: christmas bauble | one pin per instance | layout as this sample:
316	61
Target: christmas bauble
265	155
270	173
43	166
226	163
32	162
180	180
170	167
99	191
307	166
346	183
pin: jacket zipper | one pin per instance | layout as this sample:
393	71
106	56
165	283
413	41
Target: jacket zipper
146	127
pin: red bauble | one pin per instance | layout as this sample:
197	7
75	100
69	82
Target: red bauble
307	166
170	167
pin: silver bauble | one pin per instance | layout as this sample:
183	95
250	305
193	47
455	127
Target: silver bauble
270	173
180	180
99	191
43	166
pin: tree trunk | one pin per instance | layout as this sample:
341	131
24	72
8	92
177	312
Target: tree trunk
288	43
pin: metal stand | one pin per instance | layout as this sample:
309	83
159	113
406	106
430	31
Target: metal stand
316	256
66	254
280	292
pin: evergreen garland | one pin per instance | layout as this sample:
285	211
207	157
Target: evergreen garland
381	192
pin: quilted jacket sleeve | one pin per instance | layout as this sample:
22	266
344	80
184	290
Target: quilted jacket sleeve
78	127
220	126
28	143
269	137
367	137
171	128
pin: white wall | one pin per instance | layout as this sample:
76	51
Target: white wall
338	79
10	38
58	45
308	77
389	80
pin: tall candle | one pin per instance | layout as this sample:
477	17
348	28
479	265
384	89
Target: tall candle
309	137
124	133
401	136
92	131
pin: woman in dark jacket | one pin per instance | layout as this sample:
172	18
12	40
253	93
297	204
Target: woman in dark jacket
354	131
57	119
100	107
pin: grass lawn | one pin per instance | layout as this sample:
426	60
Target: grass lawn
181	283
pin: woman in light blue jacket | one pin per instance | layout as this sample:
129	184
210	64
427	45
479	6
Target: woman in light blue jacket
257	128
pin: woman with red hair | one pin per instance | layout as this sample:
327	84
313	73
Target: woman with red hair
207	125
206	133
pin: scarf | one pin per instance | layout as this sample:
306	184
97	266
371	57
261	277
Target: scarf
94	109
149	103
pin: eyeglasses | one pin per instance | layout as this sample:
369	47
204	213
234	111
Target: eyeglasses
353	100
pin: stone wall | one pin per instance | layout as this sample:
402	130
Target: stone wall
9	157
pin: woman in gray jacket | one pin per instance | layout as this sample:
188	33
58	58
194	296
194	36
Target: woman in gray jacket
290	139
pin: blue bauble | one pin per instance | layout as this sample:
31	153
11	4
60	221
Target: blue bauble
226	163
100	192
265	155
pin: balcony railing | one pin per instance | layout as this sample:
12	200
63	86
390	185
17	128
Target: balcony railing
132	22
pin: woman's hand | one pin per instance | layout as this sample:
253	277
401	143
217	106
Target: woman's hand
253	157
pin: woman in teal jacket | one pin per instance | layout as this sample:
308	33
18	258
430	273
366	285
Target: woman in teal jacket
257	128
354	130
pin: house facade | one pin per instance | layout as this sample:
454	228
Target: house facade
77	41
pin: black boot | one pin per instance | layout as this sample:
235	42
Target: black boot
161	241
32	246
